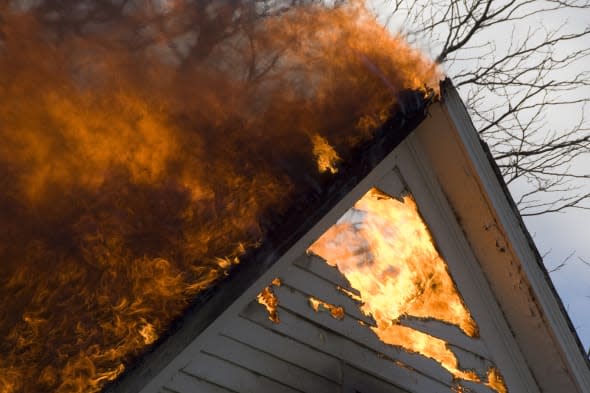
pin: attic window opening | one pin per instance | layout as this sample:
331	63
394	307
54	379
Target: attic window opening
384	249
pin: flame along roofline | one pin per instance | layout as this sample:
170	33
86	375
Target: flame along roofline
411	110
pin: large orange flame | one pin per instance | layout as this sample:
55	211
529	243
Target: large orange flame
384	249
143	147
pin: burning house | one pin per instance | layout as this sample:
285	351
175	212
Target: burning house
418	276
272	200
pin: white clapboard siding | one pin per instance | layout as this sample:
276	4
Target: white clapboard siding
470	361
449	333
358	381
349	350
231	376
311	285
476	388
182	382
313	264
296	302
285	348
319	267
311	352
269	366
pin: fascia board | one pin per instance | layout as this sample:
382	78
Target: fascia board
511	262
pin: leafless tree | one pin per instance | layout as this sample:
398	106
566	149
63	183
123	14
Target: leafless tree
519	64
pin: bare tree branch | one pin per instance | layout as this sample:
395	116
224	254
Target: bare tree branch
517	73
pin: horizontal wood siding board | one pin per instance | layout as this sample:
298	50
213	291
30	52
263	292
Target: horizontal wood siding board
232	377
285	348
470	361
477	388
357	381
449	333
297	303
316	265
312	285
185	383
269	366
364	358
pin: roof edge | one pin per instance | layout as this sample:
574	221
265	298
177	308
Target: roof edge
505	208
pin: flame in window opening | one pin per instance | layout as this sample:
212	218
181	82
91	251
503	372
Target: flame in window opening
326	156
270	301
337	312
384	249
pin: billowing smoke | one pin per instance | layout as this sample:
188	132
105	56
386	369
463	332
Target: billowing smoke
144	144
